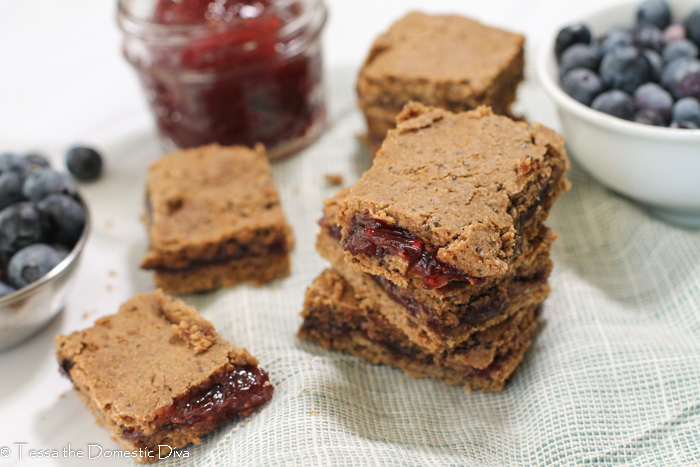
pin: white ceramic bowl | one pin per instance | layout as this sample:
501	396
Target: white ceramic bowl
659	167
24	312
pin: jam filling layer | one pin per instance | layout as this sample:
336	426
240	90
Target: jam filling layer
279	247
471	315
379	239
238	392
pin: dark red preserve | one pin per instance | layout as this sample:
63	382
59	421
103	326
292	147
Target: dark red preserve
231	72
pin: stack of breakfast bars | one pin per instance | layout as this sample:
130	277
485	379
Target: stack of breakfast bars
440	257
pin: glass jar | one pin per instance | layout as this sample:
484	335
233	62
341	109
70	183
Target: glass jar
227	71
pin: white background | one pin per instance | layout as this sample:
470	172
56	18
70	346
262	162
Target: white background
63	80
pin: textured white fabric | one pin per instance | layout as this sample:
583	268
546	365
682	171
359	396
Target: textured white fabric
613	377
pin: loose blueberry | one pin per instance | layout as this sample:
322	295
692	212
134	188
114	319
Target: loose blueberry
66	218
655	62
570	35
687	110
654	12
648	37
5	289
14	163
651	96
614	39
649	117
684	125
681	48
84	163
579	56
682	78
583	85
43	182
692	26
32	263
10	189
674	32
37	161
616	103
625	68
20	225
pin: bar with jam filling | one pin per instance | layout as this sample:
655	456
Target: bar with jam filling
451	197
214	220
157	373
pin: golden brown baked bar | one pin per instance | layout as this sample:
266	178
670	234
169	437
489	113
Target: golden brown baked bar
451	197
446	61
336	318
214	220
157	373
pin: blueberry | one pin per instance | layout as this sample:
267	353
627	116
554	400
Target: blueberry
66	218
5	289
583	85
670	71
692	26
84	163
648	37
651	96
655	62
682	78
616	103
649	117
674	32
14	163
570	35
654	12
10	189
681	48
20	225
687	110
579	56
62	249
614	39
685	125
625	68
32	263
43	182
37	161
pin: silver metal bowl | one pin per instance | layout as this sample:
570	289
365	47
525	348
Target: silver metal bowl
27	310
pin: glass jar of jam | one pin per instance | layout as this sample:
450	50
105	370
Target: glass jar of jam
229	71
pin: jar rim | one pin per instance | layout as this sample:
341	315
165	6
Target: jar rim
144	28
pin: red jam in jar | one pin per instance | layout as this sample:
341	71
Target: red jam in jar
229	71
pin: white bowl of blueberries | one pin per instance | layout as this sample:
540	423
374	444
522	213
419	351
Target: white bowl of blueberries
626	81
44	224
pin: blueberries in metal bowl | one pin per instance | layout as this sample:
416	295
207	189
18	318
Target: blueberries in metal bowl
41	219
648	73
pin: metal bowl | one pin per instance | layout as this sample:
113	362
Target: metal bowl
24	312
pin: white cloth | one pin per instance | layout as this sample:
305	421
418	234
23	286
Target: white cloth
613	377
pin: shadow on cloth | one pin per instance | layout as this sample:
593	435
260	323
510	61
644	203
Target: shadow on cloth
613	244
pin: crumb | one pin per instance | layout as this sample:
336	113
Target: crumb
112	273
334	179
303	391
62	396
246	420
109	223
88	313
110	287
313	412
